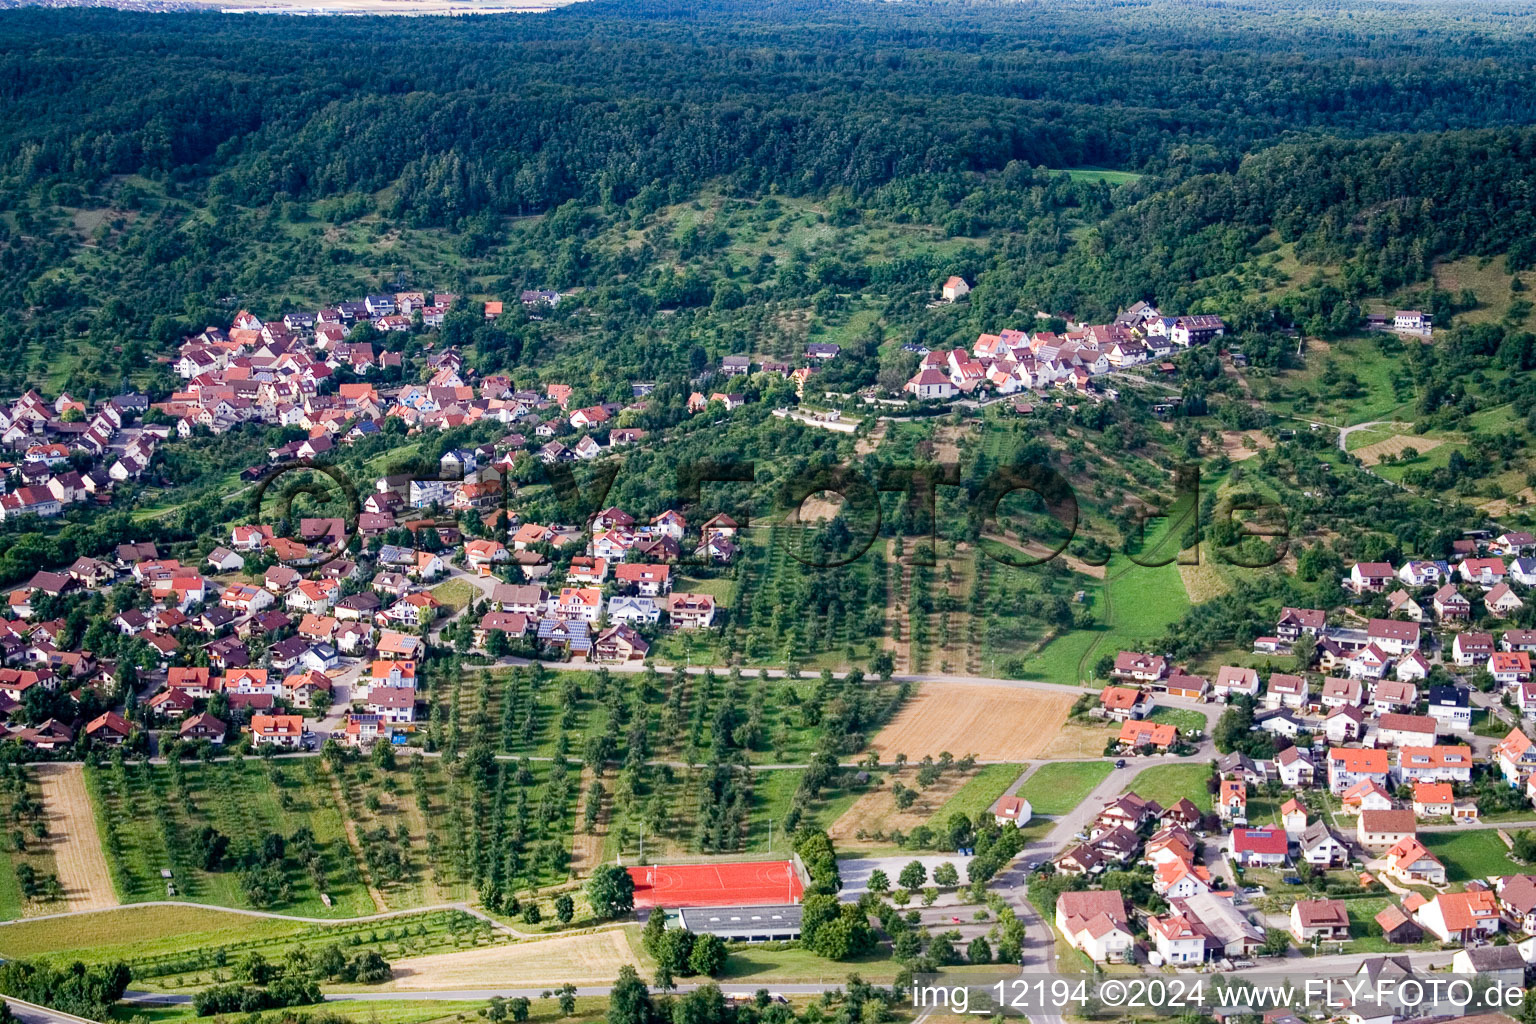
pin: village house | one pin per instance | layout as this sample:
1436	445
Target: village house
1258	847
619	643
1320	847
1095	923
1368	577
1122	702
1433	800
1397	730
1392	696
1409	862
1344	724
1401	603
1451	706
1176	940
1313	920
1366	795
1348	766
1383	829
1517	902
203	727
690	611
1286	691
1136	734
1297	621
1232	801
1393	637
1461	917
1012	810
1509	668
1295	768
277	730
1502	602
1339	692
1516	757
1235	682
1143	668
1434	764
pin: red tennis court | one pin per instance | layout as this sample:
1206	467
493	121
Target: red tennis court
716	885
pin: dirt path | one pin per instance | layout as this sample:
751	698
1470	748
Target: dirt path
352	840
974	638
1038	549
82	866
587	846
898	588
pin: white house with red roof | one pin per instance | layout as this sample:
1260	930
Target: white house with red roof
1258	847
1485	572
1366	577
1144	668
1516	757
931	384
1509	668
1012	810
1095	922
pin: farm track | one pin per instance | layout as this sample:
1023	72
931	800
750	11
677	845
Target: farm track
901	614
976	636
81	864
587	844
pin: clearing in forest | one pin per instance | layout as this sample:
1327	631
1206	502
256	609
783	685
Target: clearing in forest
82	867
590	958
994	723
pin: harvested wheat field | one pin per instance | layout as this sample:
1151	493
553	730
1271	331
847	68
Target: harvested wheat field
586	959
994	723
1077	742
1371	454
876	811
72	833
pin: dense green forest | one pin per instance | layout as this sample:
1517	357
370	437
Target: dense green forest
176	125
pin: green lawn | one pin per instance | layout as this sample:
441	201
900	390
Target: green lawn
1167	783
1061	786
1099	174
1134	605
1473	854
171	946
454	595
783	962
382	1011
1180	718
773	793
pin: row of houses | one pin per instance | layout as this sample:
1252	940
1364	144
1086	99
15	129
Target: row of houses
1013	360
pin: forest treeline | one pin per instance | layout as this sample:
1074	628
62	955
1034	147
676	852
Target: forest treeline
1379	210
603	99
